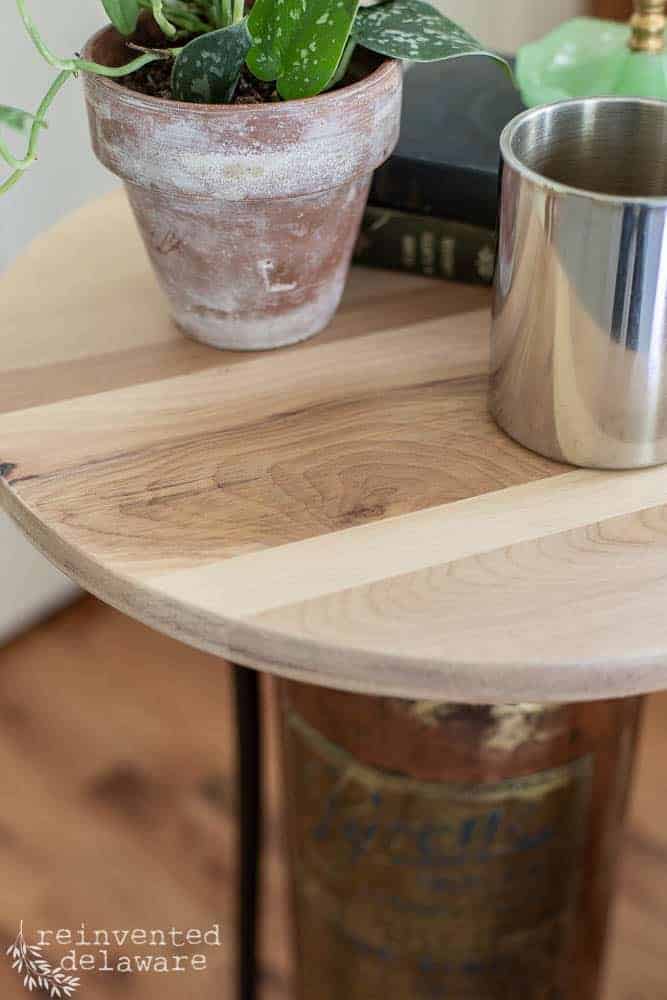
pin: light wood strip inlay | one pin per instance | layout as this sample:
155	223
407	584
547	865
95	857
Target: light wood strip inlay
587	605
87	430
315	567
110	328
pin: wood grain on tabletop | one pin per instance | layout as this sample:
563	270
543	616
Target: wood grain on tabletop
117	807
343	511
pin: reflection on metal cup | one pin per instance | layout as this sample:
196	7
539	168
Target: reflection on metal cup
579	337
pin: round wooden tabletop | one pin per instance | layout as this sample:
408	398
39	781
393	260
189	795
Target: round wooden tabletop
343	511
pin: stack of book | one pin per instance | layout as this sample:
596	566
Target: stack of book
432	207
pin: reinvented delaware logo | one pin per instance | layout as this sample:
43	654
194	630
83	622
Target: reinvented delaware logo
60	979
37	971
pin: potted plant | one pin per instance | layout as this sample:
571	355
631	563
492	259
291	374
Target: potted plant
246	139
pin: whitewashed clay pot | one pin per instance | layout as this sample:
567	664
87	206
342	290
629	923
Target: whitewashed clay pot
249	212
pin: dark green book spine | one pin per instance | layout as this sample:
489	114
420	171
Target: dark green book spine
437	248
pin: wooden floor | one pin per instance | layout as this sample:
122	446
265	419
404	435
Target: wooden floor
117	808
118	798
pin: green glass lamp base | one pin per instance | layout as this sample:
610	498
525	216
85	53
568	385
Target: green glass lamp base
587	57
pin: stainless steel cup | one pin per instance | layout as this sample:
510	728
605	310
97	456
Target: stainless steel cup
579	338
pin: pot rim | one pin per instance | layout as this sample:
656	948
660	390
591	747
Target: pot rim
387	68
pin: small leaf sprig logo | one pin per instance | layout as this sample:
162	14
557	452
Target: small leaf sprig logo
37	972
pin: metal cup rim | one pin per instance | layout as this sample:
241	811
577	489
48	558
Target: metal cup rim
510	157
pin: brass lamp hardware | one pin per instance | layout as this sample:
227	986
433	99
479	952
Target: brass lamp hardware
648	26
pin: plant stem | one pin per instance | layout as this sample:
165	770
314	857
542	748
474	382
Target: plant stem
159	17
82	65
31	154
239	9
184	18
225	13
76	65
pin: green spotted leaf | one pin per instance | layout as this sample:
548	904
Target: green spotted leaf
16	118
415	31
299	43
123	14
207	70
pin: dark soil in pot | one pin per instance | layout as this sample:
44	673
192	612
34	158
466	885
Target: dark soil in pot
155	81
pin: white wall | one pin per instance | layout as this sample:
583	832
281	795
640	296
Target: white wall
66	176
506	24
69	175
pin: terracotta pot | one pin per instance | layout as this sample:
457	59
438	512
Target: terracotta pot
249	213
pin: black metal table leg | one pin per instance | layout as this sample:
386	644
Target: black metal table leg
246	688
